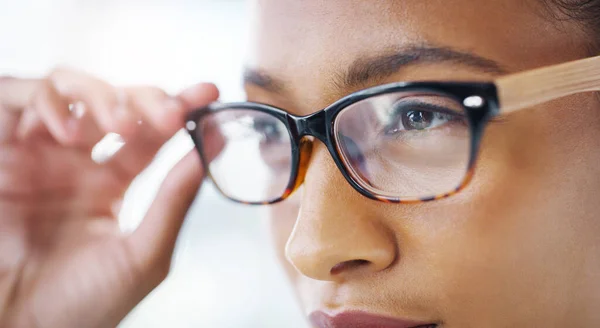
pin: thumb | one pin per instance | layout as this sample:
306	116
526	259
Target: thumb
153	242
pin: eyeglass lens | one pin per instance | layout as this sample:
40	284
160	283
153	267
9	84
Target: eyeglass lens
405	144
255	163
397	145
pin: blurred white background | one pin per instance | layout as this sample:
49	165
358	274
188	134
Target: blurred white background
224	273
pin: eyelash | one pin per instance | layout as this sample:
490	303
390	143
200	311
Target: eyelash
400	110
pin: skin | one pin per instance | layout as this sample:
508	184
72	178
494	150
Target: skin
517	248
63	260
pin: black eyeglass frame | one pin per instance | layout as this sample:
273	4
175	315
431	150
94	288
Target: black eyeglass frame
320	125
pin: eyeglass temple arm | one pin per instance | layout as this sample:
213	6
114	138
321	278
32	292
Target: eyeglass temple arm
527	89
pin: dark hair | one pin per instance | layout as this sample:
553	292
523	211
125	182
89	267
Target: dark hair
584	12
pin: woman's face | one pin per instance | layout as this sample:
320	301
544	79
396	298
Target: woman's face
520	247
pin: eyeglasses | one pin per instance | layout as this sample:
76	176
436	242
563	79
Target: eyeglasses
397	143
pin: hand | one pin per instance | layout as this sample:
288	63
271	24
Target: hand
63	261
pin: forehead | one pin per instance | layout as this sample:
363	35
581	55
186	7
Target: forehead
307	43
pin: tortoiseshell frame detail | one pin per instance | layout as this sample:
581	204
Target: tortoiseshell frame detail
320	125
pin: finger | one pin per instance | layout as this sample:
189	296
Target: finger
49	106
44	108
157	109
154	241
86	132
15	94
198	95
89	132
160	122
31	125
107	104
137	153
8	125
168	113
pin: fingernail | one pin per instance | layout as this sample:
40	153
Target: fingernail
77	109
107	148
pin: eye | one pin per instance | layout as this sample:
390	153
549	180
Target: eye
270	130
417	119
418	116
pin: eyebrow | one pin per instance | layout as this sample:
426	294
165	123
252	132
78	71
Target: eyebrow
263	80
375	68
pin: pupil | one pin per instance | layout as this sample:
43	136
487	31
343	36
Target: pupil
268	130
418	120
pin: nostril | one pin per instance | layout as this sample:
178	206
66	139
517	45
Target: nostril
348	266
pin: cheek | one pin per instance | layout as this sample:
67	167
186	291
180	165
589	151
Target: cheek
282	218
543	160
528	221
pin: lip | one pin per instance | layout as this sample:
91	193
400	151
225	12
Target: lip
362	320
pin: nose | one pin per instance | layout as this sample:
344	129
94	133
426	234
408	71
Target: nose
339	233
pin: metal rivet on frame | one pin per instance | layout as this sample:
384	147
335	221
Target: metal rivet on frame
191	125
474	102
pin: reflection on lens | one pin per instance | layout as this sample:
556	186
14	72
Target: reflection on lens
255	162
406	144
